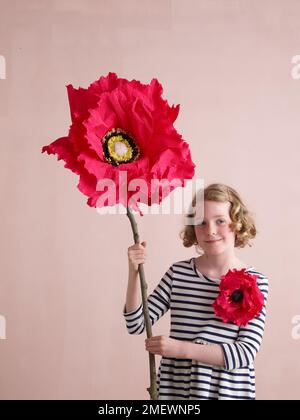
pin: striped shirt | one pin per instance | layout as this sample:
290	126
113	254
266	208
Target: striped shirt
189	296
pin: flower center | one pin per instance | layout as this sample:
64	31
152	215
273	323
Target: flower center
119	147
237	296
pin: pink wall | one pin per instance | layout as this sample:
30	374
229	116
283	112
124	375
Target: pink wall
63	266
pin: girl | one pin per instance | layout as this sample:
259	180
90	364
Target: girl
203	357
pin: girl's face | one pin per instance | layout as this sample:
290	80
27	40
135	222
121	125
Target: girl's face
214	235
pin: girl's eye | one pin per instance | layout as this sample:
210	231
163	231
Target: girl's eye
219	221
201	224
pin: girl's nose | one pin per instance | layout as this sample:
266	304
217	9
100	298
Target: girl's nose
211	229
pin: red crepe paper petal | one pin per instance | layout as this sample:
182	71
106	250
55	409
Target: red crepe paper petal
137	109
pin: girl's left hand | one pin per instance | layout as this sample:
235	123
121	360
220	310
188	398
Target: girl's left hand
165	346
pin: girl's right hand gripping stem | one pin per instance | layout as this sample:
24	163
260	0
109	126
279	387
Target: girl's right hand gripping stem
136	255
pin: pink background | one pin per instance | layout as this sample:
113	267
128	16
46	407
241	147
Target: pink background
64	267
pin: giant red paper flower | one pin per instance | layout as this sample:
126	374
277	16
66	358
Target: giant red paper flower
120	125
240	299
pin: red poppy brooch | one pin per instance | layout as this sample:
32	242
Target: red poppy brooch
240	299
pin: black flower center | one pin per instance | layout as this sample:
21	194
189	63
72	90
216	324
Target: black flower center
237	296
119	147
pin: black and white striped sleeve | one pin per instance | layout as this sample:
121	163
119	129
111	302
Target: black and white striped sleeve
158	304
241	353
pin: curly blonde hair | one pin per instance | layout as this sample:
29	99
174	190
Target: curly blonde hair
242	222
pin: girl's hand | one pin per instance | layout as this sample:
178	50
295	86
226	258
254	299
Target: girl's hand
165	346
136	255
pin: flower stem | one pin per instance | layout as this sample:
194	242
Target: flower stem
153	387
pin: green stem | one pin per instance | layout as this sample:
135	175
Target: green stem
153	387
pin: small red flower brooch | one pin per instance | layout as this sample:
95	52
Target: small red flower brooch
240	299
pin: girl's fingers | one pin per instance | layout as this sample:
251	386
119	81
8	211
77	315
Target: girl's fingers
155	350
136	251
141	245
152	344
138	246
138	257
154	338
